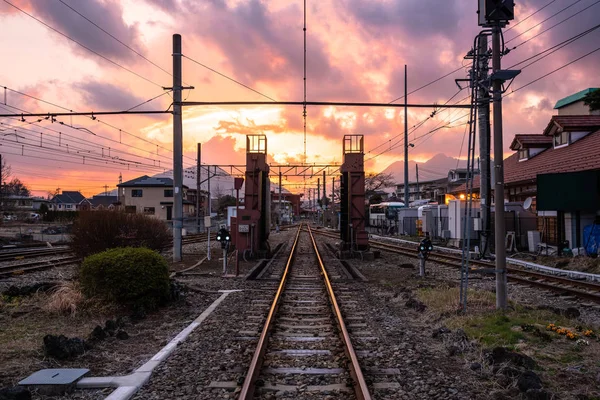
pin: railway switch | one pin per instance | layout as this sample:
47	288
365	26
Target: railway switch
425	247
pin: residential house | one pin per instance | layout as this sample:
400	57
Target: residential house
569	150
104	203
433	189
69	201
152	196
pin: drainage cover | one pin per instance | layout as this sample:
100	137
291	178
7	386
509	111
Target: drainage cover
56	376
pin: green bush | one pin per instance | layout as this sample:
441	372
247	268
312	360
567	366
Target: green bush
128	276
96	231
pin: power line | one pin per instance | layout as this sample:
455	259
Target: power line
109	34
121	131
227	77
553	71
428	84
553	26
82	45
555	48
90	132
527	17
539	23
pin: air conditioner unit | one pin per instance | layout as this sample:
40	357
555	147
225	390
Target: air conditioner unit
533	240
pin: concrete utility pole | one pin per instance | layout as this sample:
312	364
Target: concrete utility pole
500	230
318	196
208	212
418	194
198	167
405	137
280	211
483	114
324	197
177	150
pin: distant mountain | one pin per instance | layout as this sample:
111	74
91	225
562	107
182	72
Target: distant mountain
435	167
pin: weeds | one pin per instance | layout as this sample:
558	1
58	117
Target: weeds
65	299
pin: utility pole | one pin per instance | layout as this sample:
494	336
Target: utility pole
280	213
324	197
318	196
483	114
500	230
177	150
405	137
418	194
198	177
208	212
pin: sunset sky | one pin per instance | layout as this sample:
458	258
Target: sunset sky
356	51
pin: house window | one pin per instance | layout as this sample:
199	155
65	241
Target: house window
562	139
523	154
130	209
168	192
69	206
136	193
149	210
60	206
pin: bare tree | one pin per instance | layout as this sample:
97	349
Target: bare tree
5	171
377	181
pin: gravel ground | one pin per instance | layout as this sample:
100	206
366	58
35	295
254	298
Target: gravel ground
220	349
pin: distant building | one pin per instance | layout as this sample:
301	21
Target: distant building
573	104
69	201
104	203
433	189
152	196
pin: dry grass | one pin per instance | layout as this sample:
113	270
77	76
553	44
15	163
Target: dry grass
445	300
65	299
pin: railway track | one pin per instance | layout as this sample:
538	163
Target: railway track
69	258
301	329
18	269
566	286
23	254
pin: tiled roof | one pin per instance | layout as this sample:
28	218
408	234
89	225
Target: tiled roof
147	181
530	141
582	155
103	200
569	123
573	98
68	197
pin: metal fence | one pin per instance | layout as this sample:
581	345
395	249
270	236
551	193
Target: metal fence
23	232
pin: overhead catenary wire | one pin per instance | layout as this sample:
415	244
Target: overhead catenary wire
550	17
227	77
527	17
120	130
555	48
90	132
115	38
84	46
553	71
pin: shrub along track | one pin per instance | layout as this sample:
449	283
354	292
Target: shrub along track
583	290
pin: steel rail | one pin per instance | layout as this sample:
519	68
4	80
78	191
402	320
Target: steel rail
361	389
19	255
446	259
12	270
247	392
